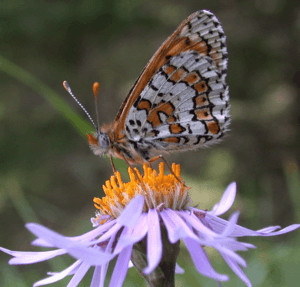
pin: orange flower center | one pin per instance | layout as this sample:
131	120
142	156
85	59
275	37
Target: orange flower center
159	190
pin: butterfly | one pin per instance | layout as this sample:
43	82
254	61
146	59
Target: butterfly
179	102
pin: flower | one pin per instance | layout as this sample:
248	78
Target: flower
142	222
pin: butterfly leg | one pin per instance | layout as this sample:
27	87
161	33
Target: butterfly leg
112	164
168	166
124	158
132	168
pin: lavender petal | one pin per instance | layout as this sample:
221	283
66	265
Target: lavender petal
201	261
76	279
176	227
237	270
134	207
96	277
22	257
60	275
154	243
226	201
121	268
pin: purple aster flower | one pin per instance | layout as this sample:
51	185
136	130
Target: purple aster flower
141	223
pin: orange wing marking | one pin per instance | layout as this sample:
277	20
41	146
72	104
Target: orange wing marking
169	70
215	56
213	127
171	140
171	119
144	105
176	129
166	108
201	87
201	101
200	47
178	75
191	79
203	114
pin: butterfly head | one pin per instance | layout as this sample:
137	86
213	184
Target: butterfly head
99	143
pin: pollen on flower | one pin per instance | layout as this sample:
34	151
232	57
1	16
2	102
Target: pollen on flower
159	190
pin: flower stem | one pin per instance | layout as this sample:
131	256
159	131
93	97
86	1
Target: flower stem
164	274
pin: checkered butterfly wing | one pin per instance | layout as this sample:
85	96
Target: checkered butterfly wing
181	100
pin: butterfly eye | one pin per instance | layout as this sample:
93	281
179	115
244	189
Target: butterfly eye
103	140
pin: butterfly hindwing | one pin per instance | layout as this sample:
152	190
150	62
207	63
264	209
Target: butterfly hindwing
185	103
182	103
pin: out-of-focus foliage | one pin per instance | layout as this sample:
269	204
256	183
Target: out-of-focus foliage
48	173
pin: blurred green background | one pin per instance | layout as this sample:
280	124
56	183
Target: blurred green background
49	175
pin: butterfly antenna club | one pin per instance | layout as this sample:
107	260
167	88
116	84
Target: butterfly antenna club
96	87
68	89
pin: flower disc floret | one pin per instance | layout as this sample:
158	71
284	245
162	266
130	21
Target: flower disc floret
157	188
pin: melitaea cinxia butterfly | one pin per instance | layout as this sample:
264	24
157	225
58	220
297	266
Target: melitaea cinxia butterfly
179	102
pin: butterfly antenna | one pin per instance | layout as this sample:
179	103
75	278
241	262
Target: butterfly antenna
96	88
68	89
